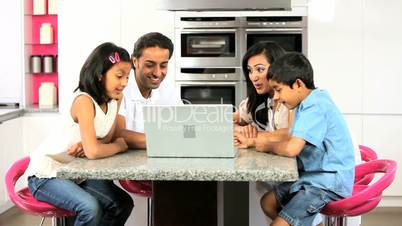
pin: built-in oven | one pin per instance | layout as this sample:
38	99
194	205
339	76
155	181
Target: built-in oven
208	41
288	32
210	50
207	92
210	85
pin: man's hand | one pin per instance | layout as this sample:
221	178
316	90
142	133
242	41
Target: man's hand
76	150
122	144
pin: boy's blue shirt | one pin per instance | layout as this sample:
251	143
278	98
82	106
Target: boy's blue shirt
327	160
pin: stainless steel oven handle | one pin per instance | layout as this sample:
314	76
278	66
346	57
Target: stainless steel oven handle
274	29
192	31
205	83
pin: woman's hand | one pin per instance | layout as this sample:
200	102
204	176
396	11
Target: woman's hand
241	141
249	131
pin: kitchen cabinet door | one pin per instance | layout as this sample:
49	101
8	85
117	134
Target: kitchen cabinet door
335	50
382	133
382	51
11	63
11	150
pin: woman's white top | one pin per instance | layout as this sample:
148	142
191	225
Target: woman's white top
278	117
51	154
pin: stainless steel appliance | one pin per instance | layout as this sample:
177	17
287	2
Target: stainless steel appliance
210	51
224	5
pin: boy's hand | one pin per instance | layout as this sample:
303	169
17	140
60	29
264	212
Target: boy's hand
76	150
241	141
122	144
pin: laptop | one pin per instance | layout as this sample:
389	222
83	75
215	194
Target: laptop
189	131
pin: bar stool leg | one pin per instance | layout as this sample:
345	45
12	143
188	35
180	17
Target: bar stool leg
41	221
335	221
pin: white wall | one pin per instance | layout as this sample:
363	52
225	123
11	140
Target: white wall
11	44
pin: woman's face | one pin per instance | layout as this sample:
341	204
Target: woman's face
116	79
257	71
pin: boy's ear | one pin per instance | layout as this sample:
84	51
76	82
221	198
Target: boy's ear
299	84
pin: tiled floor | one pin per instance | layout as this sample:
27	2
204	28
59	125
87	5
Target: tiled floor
379	217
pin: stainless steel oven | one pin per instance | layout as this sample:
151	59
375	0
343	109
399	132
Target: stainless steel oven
210	50
208	41
208	92
210	85
289	32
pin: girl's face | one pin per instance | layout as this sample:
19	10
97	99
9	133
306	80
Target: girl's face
116	79
257	71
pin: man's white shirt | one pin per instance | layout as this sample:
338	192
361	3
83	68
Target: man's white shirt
133	101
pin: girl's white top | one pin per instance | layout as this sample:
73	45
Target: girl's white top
51	154
278	118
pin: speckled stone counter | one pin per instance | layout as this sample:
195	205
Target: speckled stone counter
249	165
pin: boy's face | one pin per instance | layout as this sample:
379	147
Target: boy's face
288	96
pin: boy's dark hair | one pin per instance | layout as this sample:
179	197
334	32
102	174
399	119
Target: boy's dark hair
272	51
290	67
96	66
152	39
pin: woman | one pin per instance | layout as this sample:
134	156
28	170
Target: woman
259	112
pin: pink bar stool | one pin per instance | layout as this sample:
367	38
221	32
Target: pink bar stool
367	154
365	197
24	199
143	189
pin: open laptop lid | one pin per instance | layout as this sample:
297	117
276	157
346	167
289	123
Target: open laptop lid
189	131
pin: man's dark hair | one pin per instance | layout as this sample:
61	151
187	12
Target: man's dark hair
290	67
152	39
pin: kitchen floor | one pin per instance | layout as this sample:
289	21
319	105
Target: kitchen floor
378	217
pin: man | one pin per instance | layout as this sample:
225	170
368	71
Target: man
150	58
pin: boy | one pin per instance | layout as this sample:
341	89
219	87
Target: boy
319	139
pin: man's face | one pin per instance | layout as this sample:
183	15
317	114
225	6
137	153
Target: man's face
151	68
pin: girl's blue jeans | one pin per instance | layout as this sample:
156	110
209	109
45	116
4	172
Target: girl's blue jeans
96	202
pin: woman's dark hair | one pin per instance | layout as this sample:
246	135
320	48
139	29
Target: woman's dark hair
290	67
97	64
272	51
152	39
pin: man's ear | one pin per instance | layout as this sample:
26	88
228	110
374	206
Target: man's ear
134	62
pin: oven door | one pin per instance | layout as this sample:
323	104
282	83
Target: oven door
211	92
208	47
291	39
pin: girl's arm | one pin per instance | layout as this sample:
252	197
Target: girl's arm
83	113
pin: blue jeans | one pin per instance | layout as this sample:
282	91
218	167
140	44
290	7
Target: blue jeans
300	208
96	202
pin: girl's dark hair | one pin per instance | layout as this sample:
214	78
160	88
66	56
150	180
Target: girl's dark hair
272	51
97	64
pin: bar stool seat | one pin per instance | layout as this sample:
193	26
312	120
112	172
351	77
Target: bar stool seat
365	197
23	198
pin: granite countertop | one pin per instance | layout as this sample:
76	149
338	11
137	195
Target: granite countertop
249	165
10	113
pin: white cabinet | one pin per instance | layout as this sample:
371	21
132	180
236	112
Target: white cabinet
36	127
382	133
11	62
382	51
335	50
11	149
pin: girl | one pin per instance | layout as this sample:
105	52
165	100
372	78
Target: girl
259	112
92	121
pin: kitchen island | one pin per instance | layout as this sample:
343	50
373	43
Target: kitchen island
191	190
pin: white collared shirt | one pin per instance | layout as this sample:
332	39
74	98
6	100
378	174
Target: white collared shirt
133	101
